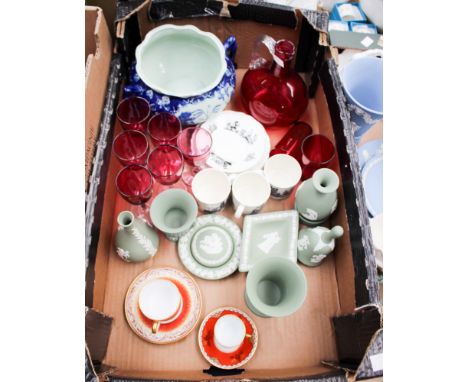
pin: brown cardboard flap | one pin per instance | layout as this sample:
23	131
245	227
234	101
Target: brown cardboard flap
97	333
315	373
354	333
98	51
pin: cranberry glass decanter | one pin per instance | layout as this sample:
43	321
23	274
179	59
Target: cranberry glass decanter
274	95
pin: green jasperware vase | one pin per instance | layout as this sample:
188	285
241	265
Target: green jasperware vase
135	240
315	244
317	198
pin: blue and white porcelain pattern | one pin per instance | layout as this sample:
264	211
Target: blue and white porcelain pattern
192	110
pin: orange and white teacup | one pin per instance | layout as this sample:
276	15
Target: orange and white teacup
161	302
229	333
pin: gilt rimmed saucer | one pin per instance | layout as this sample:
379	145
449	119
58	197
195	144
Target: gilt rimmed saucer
217	248
216	357
172	331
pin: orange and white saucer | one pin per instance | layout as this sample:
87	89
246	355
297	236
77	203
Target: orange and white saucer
218	358
174	330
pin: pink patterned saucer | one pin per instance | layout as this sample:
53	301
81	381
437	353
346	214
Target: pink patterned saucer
174	330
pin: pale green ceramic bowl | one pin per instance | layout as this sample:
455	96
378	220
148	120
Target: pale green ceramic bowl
275	287
180	61
173	212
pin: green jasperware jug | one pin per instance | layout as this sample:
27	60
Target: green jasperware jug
135	240
315	244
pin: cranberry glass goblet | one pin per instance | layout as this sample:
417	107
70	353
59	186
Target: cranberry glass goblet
135	184
195	144
164	128
166	164
133	113
131	147
317	152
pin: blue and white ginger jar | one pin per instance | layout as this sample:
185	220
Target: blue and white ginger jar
192	110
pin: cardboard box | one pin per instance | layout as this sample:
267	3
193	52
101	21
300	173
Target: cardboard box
341	317
98	51
339	39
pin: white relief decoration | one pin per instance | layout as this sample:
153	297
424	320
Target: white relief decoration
123	254
303	243
269	241
246	259
311	214
363	114
315	259
145	242
212	244
194	266
320	243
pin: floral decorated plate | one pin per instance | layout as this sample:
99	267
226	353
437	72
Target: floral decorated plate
269	234
227	360
240	142
172	331
211	249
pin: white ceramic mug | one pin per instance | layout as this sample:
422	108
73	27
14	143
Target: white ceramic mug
160	301
250	191
229	333
283	172
211	189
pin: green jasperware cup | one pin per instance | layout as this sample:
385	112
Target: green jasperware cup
317	198
173	212
275	287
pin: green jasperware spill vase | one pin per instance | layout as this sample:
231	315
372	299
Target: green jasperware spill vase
315	244
275	287
317	198
135	240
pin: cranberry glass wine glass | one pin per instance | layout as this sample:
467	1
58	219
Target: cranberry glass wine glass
131	147
166	164
135	184
317	152
164	128
133	113
195	144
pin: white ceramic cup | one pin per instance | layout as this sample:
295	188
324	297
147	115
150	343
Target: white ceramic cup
211	189
250	191
283	172
229	333
160	301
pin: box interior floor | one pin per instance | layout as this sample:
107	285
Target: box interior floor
291	346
